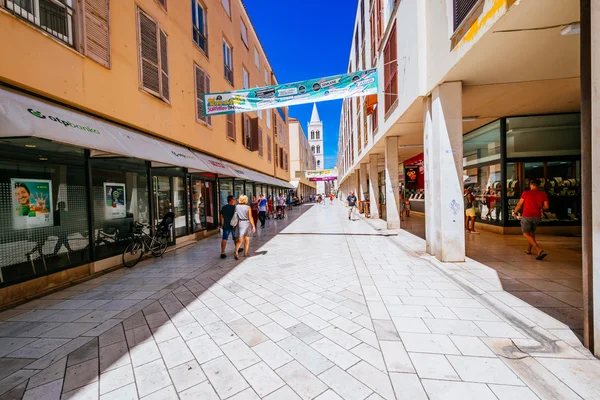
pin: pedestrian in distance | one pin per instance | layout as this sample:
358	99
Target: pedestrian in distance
351	202
254	208
227	212
331	198
262	210
533	202
245	226
470	210
401	206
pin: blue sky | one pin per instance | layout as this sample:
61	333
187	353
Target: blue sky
307	39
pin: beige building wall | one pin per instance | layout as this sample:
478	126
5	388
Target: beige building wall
37	62
301	157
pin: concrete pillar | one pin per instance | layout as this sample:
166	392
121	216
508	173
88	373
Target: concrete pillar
373	188
392	193
590	167
364	189
430	207
446	146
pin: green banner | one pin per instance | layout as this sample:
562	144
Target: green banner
359	83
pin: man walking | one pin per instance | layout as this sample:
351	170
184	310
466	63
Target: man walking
533	202
262	210
227	212
351	201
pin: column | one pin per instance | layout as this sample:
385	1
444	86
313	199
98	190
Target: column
392	192
373	188
446	146
364	189
430	208
590	167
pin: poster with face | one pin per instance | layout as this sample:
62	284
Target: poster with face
32	203
115	205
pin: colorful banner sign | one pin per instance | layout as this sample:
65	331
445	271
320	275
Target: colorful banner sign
359	83
320	173
323	179
32	203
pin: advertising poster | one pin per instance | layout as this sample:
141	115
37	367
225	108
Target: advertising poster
321	175
359	83
32	203
114	200
411	175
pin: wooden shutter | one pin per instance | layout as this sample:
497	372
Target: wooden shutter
269	149
150	69
254	135
260	142
390	70
164	65
97	31
231	126
202	87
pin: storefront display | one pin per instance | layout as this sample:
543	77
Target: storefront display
539	147
115	206
32	203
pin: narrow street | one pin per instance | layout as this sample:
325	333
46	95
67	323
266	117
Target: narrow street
323	308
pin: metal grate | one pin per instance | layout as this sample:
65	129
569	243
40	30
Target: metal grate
53	16
462	8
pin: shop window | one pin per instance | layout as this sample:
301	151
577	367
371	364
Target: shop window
482	145
545	135
225	189
179	206
119	196
43	209
486	185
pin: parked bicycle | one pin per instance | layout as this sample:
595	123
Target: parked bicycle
145	238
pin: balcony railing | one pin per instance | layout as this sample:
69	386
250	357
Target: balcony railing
53	16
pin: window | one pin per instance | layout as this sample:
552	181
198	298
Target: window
318	163
227	7
285	155
199	31
246	132
259	112
268	117
54	17
281	158
231	126
362	20
318	149
260	143
202	87
461	9
244	31
154	71
312	148
228	61
543	136
390	70
276	155
482	145
266	77
256	59
356	52
269	149
376	29
163	4
318	135
312	135
246	78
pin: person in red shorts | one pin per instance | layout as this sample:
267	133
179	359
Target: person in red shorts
533	202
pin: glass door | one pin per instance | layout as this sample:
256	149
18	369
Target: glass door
161	186
179	206
209	202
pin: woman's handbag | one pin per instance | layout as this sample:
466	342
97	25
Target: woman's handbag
234	219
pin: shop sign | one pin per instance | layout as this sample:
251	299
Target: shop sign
31	203
411	175
115	205
359	83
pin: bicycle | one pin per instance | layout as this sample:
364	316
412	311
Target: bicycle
142	242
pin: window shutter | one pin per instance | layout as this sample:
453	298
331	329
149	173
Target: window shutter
97	31
164	65
149	54
208	119
269	149
200	90
254	135
231	126
260	142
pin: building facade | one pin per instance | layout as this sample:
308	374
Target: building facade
301	159
101	124
493	94
315	139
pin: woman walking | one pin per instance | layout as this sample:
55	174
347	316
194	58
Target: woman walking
254	208
245	226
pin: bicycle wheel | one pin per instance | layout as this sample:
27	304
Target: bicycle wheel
133	253
158	245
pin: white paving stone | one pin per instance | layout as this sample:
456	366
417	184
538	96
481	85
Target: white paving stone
305	384
240	354
223	376
262	379
344	384
272	354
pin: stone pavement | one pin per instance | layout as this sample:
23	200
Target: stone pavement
324	308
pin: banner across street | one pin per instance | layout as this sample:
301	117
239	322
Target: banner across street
359	83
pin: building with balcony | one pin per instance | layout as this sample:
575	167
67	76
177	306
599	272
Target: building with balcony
301	159
101	124
485	94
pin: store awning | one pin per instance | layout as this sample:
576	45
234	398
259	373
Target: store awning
26	116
